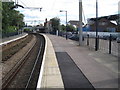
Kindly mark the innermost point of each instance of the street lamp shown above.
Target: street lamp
(66, 21)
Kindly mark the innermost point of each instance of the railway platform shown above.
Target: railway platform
(68, 65)
(12, 38)
(50, 76)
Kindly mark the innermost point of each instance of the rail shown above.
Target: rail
(34, 67)
(13, 72)
(10, 75)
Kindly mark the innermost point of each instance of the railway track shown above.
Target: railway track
(27, 69)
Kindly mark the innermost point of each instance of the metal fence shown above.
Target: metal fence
(108, 46)
(9, 34)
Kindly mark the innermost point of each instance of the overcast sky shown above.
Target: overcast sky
(51, 8)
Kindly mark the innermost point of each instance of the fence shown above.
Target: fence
(9, 34)
(109, 46)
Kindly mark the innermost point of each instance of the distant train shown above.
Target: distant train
(40, 30)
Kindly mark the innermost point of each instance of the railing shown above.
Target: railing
(9, 34)
(109, 46)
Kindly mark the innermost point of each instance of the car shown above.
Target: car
(69, 34)
(118, 39)
(107, 37)
(114, 36)
(74, 37)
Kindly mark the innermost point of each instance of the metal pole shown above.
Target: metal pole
(87, 39)
(110, 39)
(96, 40)
(80, 22)
(66, 25)
(17, 1)
(119, 15)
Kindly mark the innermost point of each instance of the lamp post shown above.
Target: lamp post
(96, 40)
(80, 22)
(66, 21)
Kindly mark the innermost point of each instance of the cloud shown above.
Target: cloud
(51, 8)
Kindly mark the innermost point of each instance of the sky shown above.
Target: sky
(51, 9)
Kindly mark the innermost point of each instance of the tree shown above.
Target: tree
(0, 16)
(70, 28)
(11, 19)
(55, 23)
(63, 27)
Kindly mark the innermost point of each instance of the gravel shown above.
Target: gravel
(9, 63)
(9, 50)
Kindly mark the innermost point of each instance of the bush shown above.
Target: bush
(11, 29)
(27, 30)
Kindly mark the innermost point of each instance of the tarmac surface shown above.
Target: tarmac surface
(81, 67)
(72, 75)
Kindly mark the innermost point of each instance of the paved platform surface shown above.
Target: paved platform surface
(11, 37)
(50, 76)
(100, 69)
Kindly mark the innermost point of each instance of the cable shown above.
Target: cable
(29, 2)
(84, 15)
(23, 3)
(53, 4)
(17, 2)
